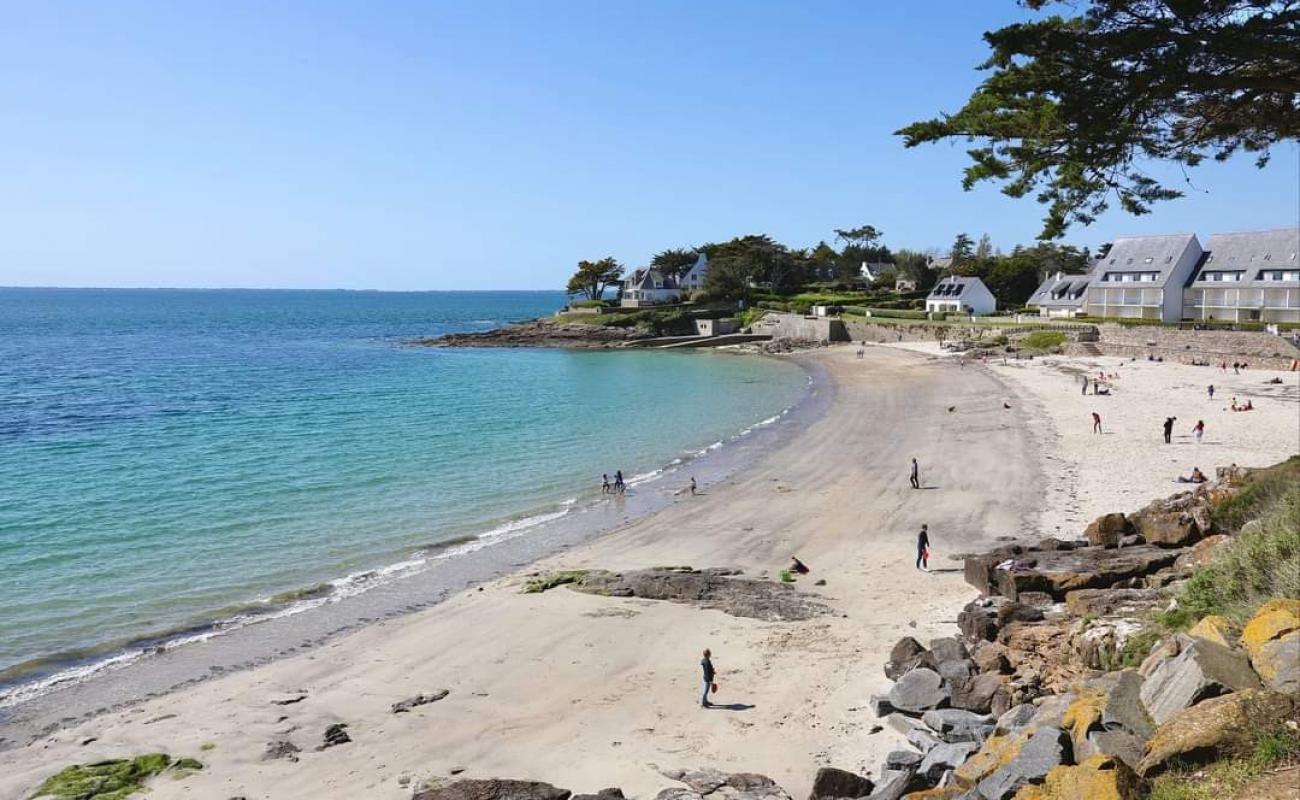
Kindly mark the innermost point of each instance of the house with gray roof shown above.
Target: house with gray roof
(957, 294)
(649, 287)
(1060, 295)
(1142, 277)
(1252, 276)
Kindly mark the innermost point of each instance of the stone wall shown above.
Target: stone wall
(795, 326)
(1185, 346)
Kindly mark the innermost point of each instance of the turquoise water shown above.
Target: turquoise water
(168, 458)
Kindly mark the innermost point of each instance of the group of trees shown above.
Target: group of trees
(1012, 277)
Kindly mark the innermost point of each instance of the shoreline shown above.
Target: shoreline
(163, 662)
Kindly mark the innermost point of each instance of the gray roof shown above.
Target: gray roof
(1146, 254)
(954, 286)
(1060, 291)
(1251, 253)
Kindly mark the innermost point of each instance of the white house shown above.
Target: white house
(871, 272)
(962, 295)
(1247, 277)
(1060, 295)
(1142, 277)
(693, 279)
(649, 287)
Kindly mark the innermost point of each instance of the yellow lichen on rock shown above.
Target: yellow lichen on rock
(1082, 715)
(1215, 628)
(996, 752)
(1100, 777)
(1274, 619)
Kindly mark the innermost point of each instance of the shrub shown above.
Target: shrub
(591, 303)
(1043, 340)
(897, 313)
(550, 580)
(786, 577)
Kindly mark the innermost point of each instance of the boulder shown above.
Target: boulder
(1113, 602)
(1165, 650)
(990, 657)
(906, 655)
(1215, 728)
(702, 781)
(945, 757)
(1100, 646)
(1215, 628)
(611, 793)
(918, 690)
(1107, 530)
(1203, 669)
(956, 671)
(1015, 718)
(1046, 748)
(903, 759)
(1082, 716)
(977, 694)
(1097, 778)
(1118, 744)
(1051, 709)
(1272, 639)
(1174, 521)
(493, 789)
(1123, 709)
(954, 724)
(949, 648)
(1201, 553)
(880, 706)
(894, 785)
(1060, 572)
(922, 740)
(832, 783)
(978, 621)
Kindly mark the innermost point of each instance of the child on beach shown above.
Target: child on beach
(604, 483)
(923, 549)
(1198, 430)
(1096, 422)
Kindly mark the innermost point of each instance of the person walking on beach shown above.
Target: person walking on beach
(923, 549)
(1096, 422)
(916, 475)
(692, 486)
(1210, 389)
(1199, 430)
(1169, 428)
(604, 483)
(619, 486)
(706, 664)
(1085, 384)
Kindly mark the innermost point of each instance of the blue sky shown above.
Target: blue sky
(431, 145)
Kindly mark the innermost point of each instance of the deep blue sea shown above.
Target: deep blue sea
(172, 457)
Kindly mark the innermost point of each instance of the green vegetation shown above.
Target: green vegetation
(1227, 777)
(1074, 107)
(652, 322)
(591, 304)
(786, 576)
(593, 278)
(206, 746)
(1261, 563)
(749, 316)
(550, 580)
(1135, 650)
(1043, 340)
(111, 780)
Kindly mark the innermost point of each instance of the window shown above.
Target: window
(1148, 260)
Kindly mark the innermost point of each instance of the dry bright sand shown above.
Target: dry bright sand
(587, 692)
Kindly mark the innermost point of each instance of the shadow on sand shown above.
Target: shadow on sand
(729, 707)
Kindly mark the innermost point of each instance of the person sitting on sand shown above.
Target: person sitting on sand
(1234, 405)
(798, 567)
(1250, 405)
(1196, 477)
(706, 664)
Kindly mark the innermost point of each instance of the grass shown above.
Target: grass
(786, 576)
(116, 779)
(1136, 648)
(1043, 340)
(1227, 777)
(550, 580)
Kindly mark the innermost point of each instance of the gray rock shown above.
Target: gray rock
(902, 759)
(281, 749)
(921, 740)
(677, 793)
(1203, 669)
(956, 670)
(1051, 709)
(880, 706)
(612, 793)
(704, 780)
(1120, 744)
(1124, 709)
(335, 734)
(945, 757)
(903, 723)
(949, 720)
(918, 690)
(1015, 718)
(894, 785)
(1279, 659)
(421, 699)
(978, 693)
(948, 648)
(1049, 747)
(832, 783)
(493, 789)
(906, 655)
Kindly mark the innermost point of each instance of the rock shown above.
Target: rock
(1046, 748)
(948, 648)
(922, 740)
(832, 783)
(1171, 522)
(1039, 600)
(1272, 639)
(903, 723)
(1215, 728)
(612, 793)
(1061, 572)
(1100, 646)
(289, 698)
(702, 781)
(880, 706)
(894, 785)
(991, 657)
(1015, 718)
(1107, 530)
(945, 757)
(492, 789)
(424, 698)
(956, 671)
(977, 693)
(918, 690)
(1118, 744)
(1201, 553)
(906, 655)
(281, 749)
(1123, 709)
(739, 597)
(949, 720)
(1165, 650)
(335, 734)
(1081, 716)
(902, 759)
(978, 622)
(1051, 709)
(1097, 778)
(1113, 602)
(1203, 669)
(1216, 628)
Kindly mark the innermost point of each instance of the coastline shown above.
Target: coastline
(119, 675)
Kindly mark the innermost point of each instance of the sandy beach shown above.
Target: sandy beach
(586, 692)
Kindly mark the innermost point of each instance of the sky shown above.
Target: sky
(492, 145)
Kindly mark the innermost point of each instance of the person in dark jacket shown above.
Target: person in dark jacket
(1169, 428)
(706, 664)
(923, 549)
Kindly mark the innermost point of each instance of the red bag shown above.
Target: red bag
(714, 687)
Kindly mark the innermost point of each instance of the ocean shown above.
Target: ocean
(177, 463)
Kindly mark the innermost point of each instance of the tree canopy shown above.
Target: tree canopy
(1073, 106)
(674, 261)
(593, 278)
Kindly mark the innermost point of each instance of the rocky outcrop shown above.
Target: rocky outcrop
(1215, 628)
(717, 785)
(1203, 669)
(1046, 749)
(542, 333)
(1107, 530)
(493, 789)
(1272, 640)
(1216, 727)
(832, 783)
(421, 699)
(1096, 778)
(717, 589)
(918, 690)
